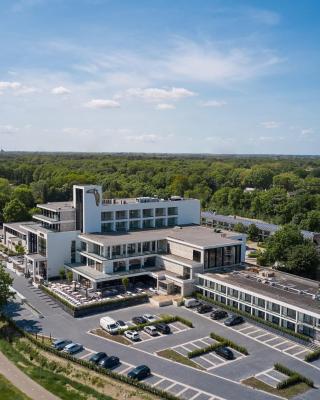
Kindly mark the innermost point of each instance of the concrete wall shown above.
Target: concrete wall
(59, 250)
(181, 250)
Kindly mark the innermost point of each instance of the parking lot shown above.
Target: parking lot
(268, 338)
(208, 361)
(183, 391)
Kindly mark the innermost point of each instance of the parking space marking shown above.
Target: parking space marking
(300, 352)
(260, 336)
(254, 331)
(126, 370)
(161, 380)
(281, 343)
(269, 340)
(291, 347)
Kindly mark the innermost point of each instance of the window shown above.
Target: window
(121, 226)
(107, 216)
(160, 222)
(134, 225)
(288, 312)
(259, 302)
(233, 292)
(42, 246)
(134, 214)
(83, 246)
(245, 297)
(196, 256)
(147, 223)
(116, 251)
(119, 266)
(273, 307)
(160, 212)
(73, 251)
(147, 213)
(221, 288)
(150, 262)
(121, 214)
(106, 227)
(172, 210)
(172, 221)
(131, 248)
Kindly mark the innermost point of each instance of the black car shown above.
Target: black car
(219, 314)
(163, 328)
(109, 362)
(139, 320)
(60, 344)
(96, 358)
(224, 352)
(204, 308)
(234, 320)
(140, 372)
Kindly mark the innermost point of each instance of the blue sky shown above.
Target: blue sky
(160, 76)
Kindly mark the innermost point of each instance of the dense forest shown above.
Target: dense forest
(287, 189)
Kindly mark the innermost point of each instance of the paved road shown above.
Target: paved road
(23, 382)
(223, 381)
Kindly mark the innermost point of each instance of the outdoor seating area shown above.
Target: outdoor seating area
(77, 294)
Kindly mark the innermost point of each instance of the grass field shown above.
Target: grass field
(174, 356)
(287, 393)
(10, 392)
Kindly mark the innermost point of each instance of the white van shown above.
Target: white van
(190, 303)
(109, 325)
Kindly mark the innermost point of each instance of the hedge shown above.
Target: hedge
(314, 355)
(204, 350)
(253, 317)
(113, 302)
(114, 375)
(229, 343)
(166, 319)
(294, 377)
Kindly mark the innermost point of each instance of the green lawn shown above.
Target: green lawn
(287, 393)
(174, 356)
(10, 392)
(56, 383)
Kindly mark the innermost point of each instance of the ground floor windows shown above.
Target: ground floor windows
(119, 266)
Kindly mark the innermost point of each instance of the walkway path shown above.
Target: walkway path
(23, 382)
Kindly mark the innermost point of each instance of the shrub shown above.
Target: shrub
(296, 377)
(204, 350)
(253, 317)
(229, 343)
(315, 355)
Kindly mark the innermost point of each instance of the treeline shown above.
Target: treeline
(287, 189)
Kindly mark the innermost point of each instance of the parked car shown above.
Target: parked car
(191, 303)
(109, 325)
(60, 344)
(96, 358)
(204, 308)
(163, 328)
(224, 352)
(109, 362)
(121, 324)
(73, 348)
(139, 320)
(234, 320)
(140, 372)
(132, 335)
(219, 314)
(149, 317)
(151, 330)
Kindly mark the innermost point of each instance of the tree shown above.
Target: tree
(303, 259)
(69, 276)
(312, 222)
(15, 211)
(239, 227)
(5, 282)
(259, 177)
(253, 232)
(62, 273)
(24, 194)
(19, 249)
(125, 282)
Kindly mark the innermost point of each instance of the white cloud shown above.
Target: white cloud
(102, 103)
(266, 17)
(144, 138)
(270, 124)
(8, 129)
(10, 85)
(60, 90)
(158, 94)
(307, 132)
(165, 106)
(206, 62)
(214, 103)
(270, 139)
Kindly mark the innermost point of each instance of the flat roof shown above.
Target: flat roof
(195, 235)
(283, 287)
(19, 226)
(57, 206)
(262, 225)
